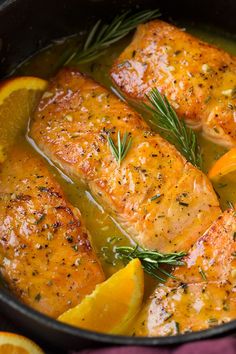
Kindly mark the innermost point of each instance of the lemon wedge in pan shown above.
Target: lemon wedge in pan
(113, 304)
(225, 165)
(18, 99)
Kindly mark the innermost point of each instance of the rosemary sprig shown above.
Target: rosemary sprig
(151, 260)
(122, 148)
(101, 36)
(175, 129)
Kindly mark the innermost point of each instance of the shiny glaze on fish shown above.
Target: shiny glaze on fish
(45, 253)
(204, 291)
(71, 126)
(199, 79)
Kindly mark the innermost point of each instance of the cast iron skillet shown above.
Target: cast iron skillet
(25, 27)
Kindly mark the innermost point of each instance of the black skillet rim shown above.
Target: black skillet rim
(46, 322)
(50, 323)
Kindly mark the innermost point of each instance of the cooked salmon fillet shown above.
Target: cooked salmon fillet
(46, 256)
(156, 196)
(204, 291)
(198, 79)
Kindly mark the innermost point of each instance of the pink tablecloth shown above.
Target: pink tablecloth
(217, 346)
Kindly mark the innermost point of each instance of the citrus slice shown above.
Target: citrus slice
(11, 343)
(223, 166)
(18, 98)
(113, 304)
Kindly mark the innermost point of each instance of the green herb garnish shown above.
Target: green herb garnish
(207, 99)
(230, 204)
(40, 219)
(114, 239)
(75, 247)
(38, 297)
(225, 306)
(203, 274)
(122, 148)
(151, 260)
(174, 129)
(183, 204)
(101, 36)
(222, 185)
(155, 197)
(177, 327)
(212, 320)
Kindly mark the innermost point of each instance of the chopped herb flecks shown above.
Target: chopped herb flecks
(183, 204)
(38, 297)
(203, 275)
(155, 197)
(234, 236)
(177, 327)
(212, 320)
(230, 204)
(41, 218)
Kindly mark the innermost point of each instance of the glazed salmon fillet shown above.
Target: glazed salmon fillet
(203, 294)
(45, 254)
(156, 196)
(198, 79)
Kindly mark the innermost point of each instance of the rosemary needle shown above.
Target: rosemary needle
(122, 148)
(151, 260)
(174, 129)
(101, 36)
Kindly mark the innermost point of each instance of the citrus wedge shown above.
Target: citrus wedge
(18, 98)
(11, 343)
(113, 304)
(223, 166)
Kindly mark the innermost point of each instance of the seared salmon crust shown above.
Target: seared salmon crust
(45, 253)
(156, 196)
(198, 79)
(203, 293)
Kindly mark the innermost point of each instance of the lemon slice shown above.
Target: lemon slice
(223, 166)
(18, 98)
(11, 343)
(113, 304)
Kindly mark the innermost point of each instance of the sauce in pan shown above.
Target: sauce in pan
(106, 234)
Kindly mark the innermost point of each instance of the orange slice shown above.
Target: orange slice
(113, 304)
(18, 98)
(223, 166)
(11, 343)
